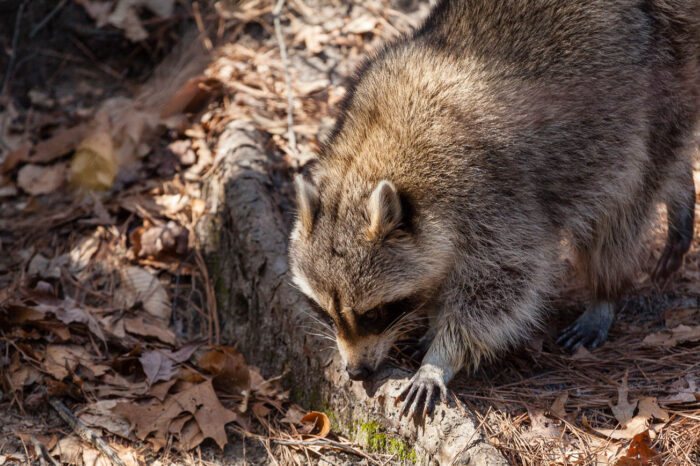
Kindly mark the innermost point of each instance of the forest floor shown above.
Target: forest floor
(109, 113)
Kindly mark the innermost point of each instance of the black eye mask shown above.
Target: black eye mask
(377, 320)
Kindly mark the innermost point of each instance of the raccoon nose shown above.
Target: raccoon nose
(358, 373)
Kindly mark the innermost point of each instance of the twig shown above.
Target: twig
(200, 25)
(328, 444)
(211, 296)
(48, 18)
(287, 79)
(84, 432)
(13, 53)
(42, 453)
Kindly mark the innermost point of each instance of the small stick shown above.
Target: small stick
(48, 17)
(200, 25)
(84, 432)
(42, 453)
(287, 78)
(328, 444)
(38, 451)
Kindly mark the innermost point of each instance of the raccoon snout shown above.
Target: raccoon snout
(360, 372)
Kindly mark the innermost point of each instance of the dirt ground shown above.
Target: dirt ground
(109, 113)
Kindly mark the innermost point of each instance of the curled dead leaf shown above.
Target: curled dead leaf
(315, 423)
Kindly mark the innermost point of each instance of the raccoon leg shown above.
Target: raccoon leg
(681, 223)
(444, 358)
(590, 329)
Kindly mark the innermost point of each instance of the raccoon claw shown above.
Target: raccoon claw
(423, 392)
(590, 329)
(577, 334)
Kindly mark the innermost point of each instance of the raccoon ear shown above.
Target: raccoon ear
(384, 210)
(307, 202)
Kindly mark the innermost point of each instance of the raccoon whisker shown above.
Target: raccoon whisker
(320, 335)
(313, 328)
(409, 317)
(317, 320)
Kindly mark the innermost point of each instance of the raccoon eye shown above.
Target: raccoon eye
(372, 315)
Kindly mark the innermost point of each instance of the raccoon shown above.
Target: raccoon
(468, 153)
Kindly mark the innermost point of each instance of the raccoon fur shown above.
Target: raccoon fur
(468, 152)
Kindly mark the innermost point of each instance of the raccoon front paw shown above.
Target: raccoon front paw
(423, 392)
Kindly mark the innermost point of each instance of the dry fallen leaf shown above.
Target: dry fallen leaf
(541, 426)
(294, 414)
(674, 317)
(83, 251)
(623, 410)
(559, 406)
(157, 366)
(316, 424)
(228, 366)
(94, 165)
(63, 142)
(633, 427)
(61, 360)
(68, 312)
(640, 452)
(99, 415)
(153, 421)
(361, 25)
(649, 407)
(674, 336)
(170, 238)
(582, 353)
(686, 391)
(39, 179)
(147, 328)
(190, 97)
(138, 285)
(125, 16)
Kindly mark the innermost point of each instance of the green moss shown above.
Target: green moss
(378, 441)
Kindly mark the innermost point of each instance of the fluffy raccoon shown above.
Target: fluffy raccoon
(468, 152)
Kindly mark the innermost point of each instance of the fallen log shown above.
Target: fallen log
(244, 236)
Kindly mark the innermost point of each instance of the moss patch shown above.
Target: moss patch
(376, 440)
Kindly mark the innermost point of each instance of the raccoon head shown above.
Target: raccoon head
(368, 259)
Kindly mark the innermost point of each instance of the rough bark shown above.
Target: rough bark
(245, 237)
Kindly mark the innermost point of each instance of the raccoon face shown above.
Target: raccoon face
(363, 256)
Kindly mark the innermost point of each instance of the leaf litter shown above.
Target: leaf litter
(102, 301)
